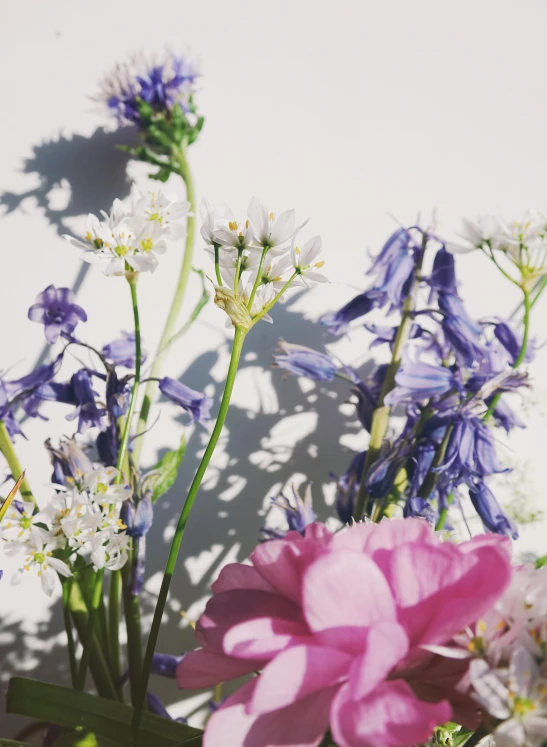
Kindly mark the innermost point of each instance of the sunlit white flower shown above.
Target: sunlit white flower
(273, 271)
(40, 560)
(212, 218)
(303, 261)
(18, 525)
(517, 696)
(110, 550)
(156, 207)
(101, 484)
(475, 233)
(235, 235)
(271, 231)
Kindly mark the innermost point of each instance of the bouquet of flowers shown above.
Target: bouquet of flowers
(380, 627)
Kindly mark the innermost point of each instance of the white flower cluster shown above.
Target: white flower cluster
(523, 241)
(82, 519)
(134, 233)
(257, 258)
(508, 673)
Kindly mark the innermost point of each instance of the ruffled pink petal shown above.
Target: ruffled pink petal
(453, 589)
(239, 576)
(295, 673)
(230, 608)
(343, 594)
(389, 533)
(283, 562)
(263, 637)
(386, 644)
(391, 716)
(205, 668)
(302, 724)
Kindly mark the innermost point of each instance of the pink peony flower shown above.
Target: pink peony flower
(337, 625)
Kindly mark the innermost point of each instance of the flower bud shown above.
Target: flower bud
(226, 300)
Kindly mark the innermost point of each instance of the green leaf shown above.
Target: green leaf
(163, 476)
(71, 709)
(87, 739)
(540, 562)
(12, 743)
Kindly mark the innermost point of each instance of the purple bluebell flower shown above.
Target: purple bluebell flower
(471, 452)
(68, 461)
(380, 477)
(165, 665)
(57, 310)
(348, 487)
(462, 334)
(122, 351)
(419, 508)
(338, 322)
(107, 444)
(118, 394)
(511, 340)
(385, 334)
(138, 516)
(504, 415)
(490, 512)
(417, 382)
(88, 413)
(302, 361)
(299, 514)
(368, 394)
(443, 274)
(197, 404)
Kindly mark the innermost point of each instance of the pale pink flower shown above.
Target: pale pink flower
(337, 624)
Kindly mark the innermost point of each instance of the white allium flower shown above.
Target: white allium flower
(101, 484)
(233, 235)
(476, 233)
(18, 526)
(40, 560)
(110, 550)
(303, 261)
(212, 218)
(133, 234)
(271, 231)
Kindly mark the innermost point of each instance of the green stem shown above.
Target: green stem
(270, 306)
(132, 610)
(114, 596)
(258, 277)
(238, 271)
(8, 450)
(89, 639)
(522, 353)
(380, 417)
(66, 586)
(237, 347)
(217, 264)
(174, 311)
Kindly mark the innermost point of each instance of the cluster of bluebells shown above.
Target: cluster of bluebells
(134, 233)
(256, 259)
(162, 81)
(447, 387)
(507, 654)
(90, 516)
(82, 519)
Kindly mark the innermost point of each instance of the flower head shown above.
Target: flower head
(303, 261)
(40, 560)
(122, 351)
(57, 310)
(337, 625)
(302, 361)
(197, 404)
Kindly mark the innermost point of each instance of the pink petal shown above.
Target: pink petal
(295, 673)
(391, 716)
(230, 608)
(302, 724)
(389, 533)
(240, 576)
(205, 668)
(386, 644)
(263, 637)
(451, 590)
(343, 594)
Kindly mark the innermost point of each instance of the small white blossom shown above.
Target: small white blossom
(164, 210)
(18, 526)
(235, 235)
(303, 261)
(212, 218)
(101, 483)
(40, 560)
(271, 231)
(110, 550)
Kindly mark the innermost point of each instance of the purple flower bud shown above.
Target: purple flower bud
(122, 351)
(417, 381)
(490, 511)
(138, 517)
(57, 310)
(198, 405)
(302, 361)
(156, 706)
(87, 412)
(108, 446)
(461, 332)
(348, 487)
(443, 274)
(338, 322)
(298, 514)
(69, 461)
(165, 665)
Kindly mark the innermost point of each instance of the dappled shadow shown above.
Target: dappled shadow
(250, 460)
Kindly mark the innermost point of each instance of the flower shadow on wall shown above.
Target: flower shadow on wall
(57, 165)
(228, 513)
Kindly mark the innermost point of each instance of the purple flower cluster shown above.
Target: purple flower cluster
(447, 387)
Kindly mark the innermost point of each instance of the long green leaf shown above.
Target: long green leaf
(12, 743)
(163, 476)
(87, 739)
(71, 709)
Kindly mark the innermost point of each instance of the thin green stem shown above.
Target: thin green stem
(8, 450)
(522, 353)
(71, 648)
(270, 306)
(114, 597)
(131, 603)
(258, 277)
(238, 270)
(174, 311)
(380, 417)
(217, 264)
(237, 347)
(90, 630)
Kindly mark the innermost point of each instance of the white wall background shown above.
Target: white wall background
(352, 112)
